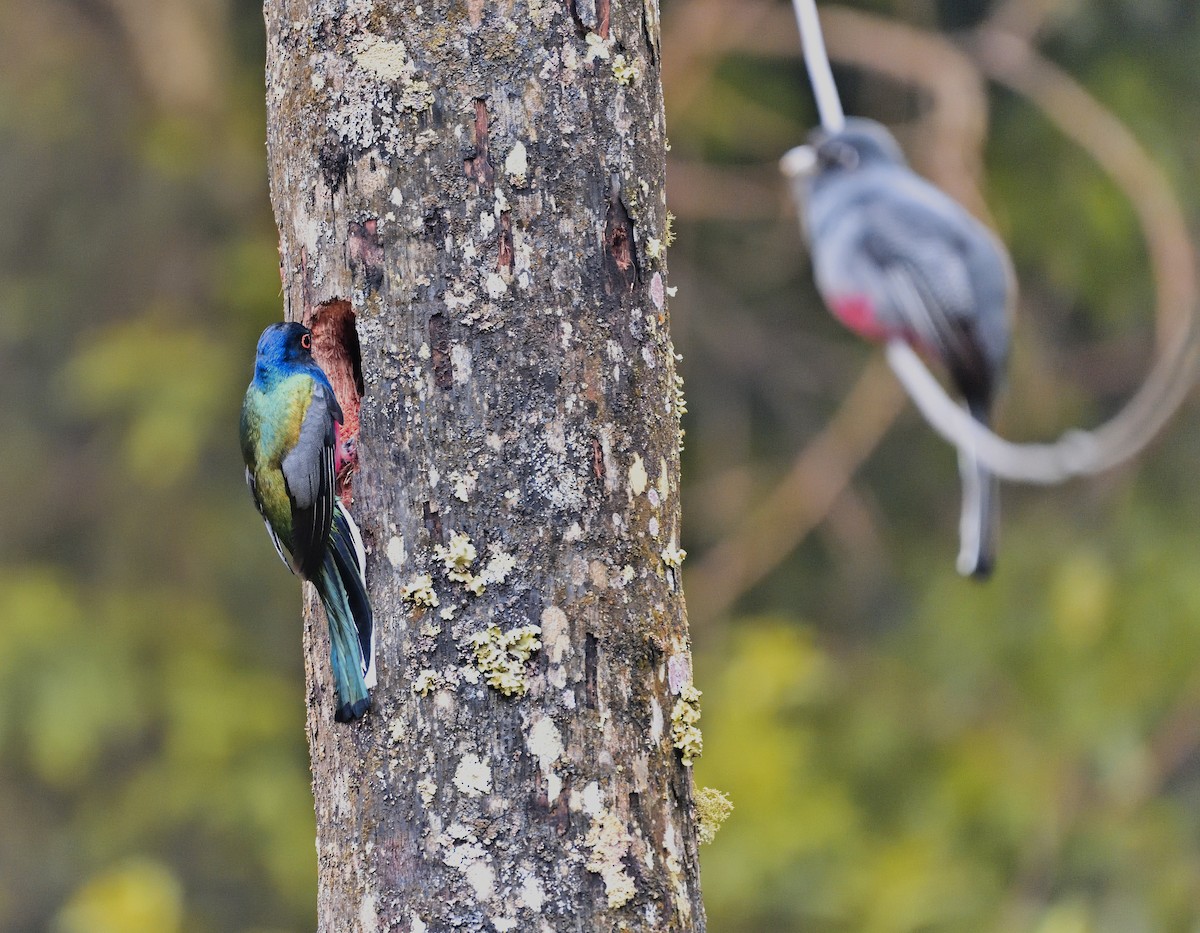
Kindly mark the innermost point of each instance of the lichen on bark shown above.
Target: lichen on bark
(482, 183)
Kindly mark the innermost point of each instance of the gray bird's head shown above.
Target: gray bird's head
(861, 144)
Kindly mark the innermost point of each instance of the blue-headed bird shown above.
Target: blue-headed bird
(288, 434)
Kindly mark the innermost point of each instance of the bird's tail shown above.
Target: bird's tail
(980, 520)
(342, 587)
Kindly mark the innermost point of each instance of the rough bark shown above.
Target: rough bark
(471, 210)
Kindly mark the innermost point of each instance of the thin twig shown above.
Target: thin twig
(817, 61)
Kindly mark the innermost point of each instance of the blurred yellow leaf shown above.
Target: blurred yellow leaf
(140, 896)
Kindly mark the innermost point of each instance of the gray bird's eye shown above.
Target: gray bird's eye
(838, 155)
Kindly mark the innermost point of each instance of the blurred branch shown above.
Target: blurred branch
(700, 31)
(1014, 63)
(701, 191)
(800, 501)
(1026, 18)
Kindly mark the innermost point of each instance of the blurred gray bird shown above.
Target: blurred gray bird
(894, 257)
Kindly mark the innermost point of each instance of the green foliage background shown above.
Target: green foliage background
(906, 751)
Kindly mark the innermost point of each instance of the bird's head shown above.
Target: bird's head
(284, 344)
(829, 157)
(860, 145)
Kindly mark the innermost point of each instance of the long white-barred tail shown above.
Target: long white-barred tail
(978, 523)
(347, 525)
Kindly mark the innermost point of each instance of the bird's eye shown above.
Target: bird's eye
(838, 155)
(306, 341)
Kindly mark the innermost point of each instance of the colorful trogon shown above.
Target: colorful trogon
(288, 433)
(894, 257)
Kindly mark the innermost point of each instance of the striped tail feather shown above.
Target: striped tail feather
(980, 519)
(351, 625)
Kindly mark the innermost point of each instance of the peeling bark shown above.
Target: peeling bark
(471, 187)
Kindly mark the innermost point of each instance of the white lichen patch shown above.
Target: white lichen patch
(624, 70)
(396, 553)
(556, 634)
(712, 809)
(501, 656)
(463, 483)
(685, 729)
(473, 776)
(419, 591)
(544, 742)
(470, 858)
(597, 48)
(533, 895)
(458, 557)
(460, 364)
(368, 912)
(590, 800)
(656, 722)
(516, 165)
(638, 478)
(427, 789)
(655, 248)
(609, 843)
(496, 286)
(459, 297)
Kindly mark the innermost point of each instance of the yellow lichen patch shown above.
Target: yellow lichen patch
(427, 681)
(458, 557)
(501, 656)
(685, 731)
(498, 567)
(419, 591)
(609, 843)
(624, 70)
(673, 556)
(712, 809)
(391, 62)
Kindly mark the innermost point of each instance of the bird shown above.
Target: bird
(894, 257)
(288, 436)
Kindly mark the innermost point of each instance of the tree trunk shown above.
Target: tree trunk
(472, 218)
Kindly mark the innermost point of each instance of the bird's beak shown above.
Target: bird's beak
(800, 162)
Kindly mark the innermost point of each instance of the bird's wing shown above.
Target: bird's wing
(271, 531)
(927, 284)
(308, 472)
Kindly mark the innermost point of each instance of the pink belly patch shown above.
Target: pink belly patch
(855, 312)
